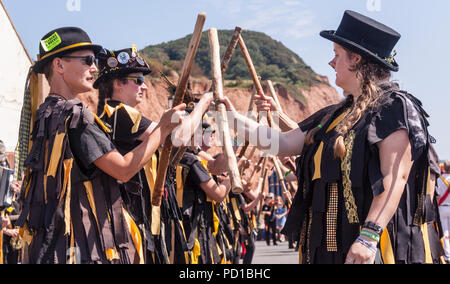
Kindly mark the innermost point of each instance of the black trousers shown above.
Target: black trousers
(250, 249)
(271, 228)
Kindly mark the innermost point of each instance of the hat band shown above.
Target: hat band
(65, 48)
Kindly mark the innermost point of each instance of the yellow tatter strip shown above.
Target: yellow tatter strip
(100, 122)
(56, 154)
(135, 235)
(67, 180)
(387, 253)
(90, 196)
(135, 116)
(318, 162)
(150, 174)
(426, 243)
(216, 221)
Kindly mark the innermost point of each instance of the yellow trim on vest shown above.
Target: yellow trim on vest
(426, 243)
(135, 116)
(135, 235)
(318, 162)
(64, 49)
(387, 252)
(56, 154)
(102, 125)
(133, 113)
(318, 155)
(150, 170)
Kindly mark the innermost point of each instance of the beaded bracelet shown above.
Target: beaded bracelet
(371, 235)
(367, 244)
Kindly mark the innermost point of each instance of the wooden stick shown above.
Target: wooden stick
(179, 96)
(276, 163)
(230, 50)
(274, 94)
(263, 178)
(250, 108)
(235, 179)
(225, 61)
(286, 124)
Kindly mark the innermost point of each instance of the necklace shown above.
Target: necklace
(56, 95)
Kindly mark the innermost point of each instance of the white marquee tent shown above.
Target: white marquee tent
(14, 68)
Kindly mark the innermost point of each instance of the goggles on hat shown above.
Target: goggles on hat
(139, 80)
(88, 60)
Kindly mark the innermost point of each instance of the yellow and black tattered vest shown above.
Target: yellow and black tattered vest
(335, 195)
(69, 215)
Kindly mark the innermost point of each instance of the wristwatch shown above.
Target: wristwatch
(374, 227)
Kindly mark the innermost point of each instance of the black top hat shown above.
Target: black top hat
(114, 64)
(367, 38)
(62, 41)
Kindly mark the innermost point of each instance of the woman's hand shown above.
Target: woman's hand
(360, 254)
(265, 103)
(228, 104)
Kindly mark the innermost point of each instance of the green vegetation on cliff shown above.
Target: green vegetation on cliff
(272, 60)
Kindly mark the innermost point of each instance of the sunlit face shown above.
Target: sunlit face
(342, 63)
(78, 76)
(130, 93)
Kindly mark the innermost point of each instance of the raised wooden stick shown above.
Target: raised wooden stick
(276, 163)
(230, 50)
(235, 179)
(263, 183)
(179, 96)
(285, 123)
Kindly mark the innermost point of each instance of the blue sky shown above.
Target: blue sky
(422, 52)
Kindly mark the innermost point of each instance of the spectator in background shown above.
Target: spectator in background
(280, 211)
(268, 211)
(443, 187)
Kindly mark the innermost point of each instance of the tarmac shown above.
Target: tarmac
(280, 254)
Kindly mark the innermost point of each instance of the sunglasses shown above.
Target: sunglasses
(139, 80)
(88, 60)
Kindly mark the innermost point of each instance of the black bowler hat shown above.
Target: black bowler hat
(60, 42)
(114, 64)
(367, 38)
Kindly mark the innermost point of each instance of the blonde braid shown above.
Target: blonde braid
(369, 74)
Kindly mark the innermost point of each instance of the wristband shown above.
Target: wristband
(374, 227)
(288, 172)
(371, 235)
(367, 244)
